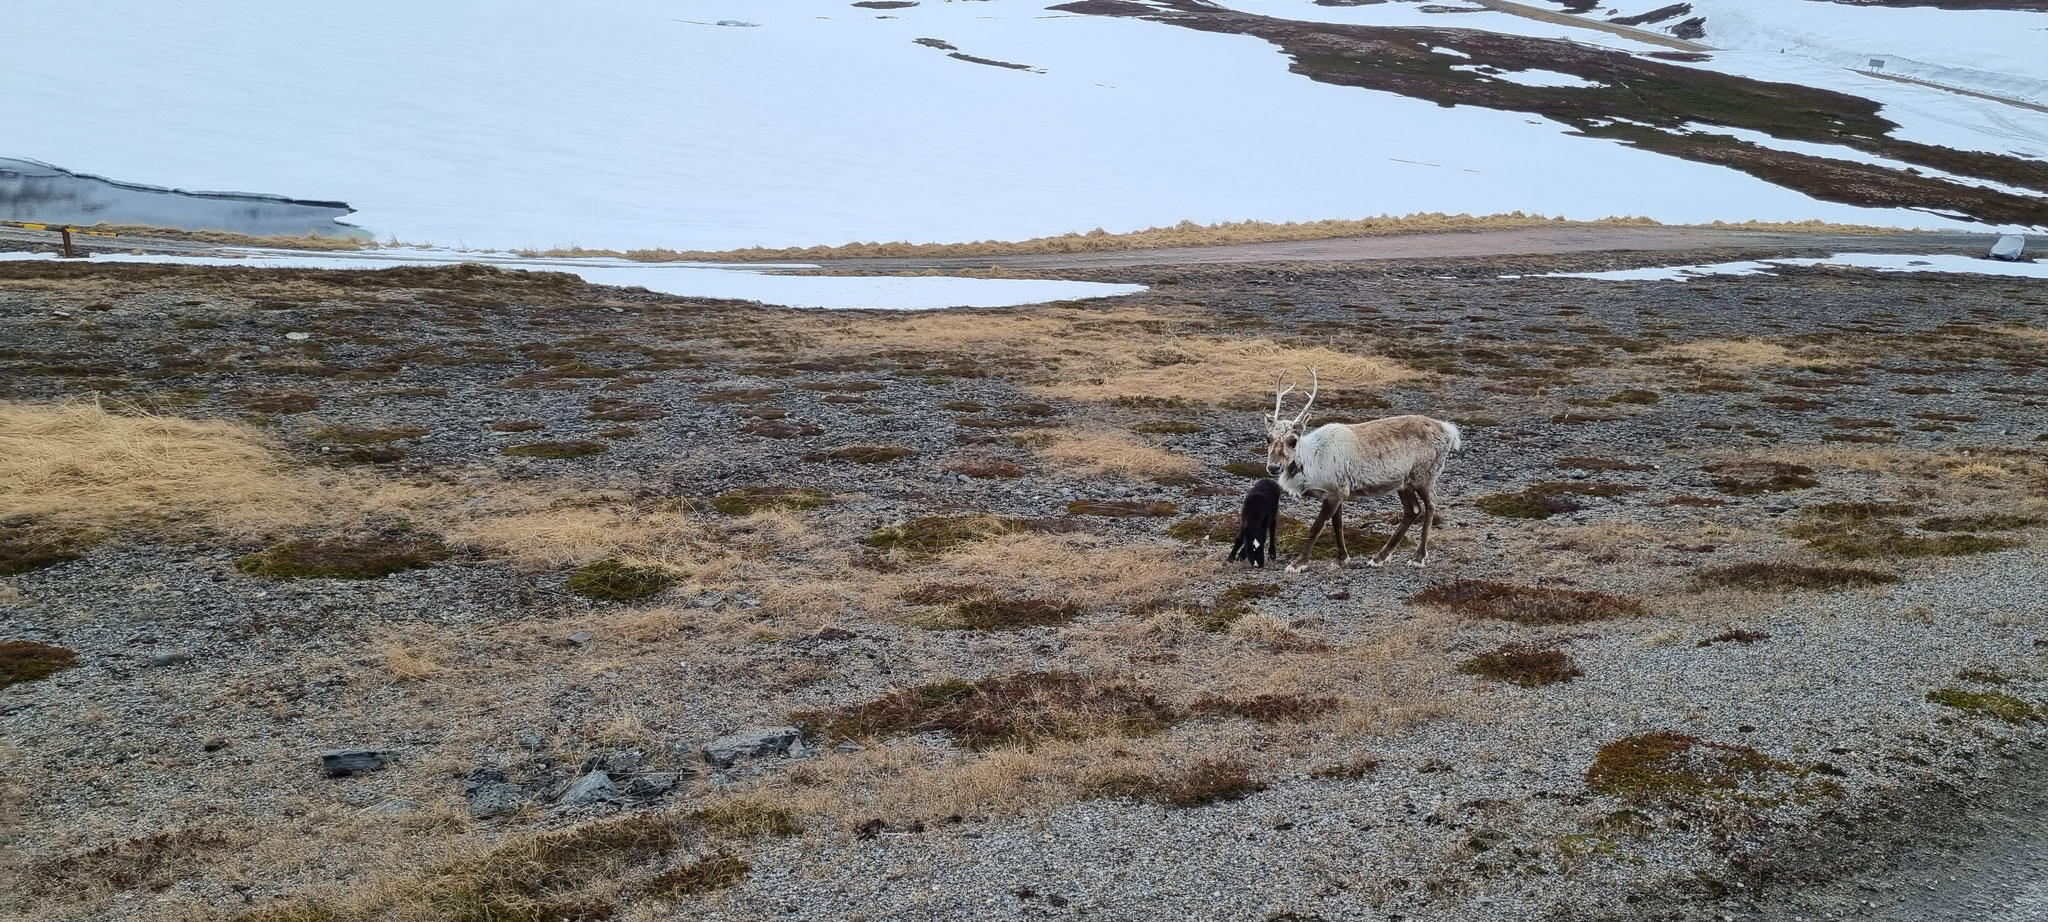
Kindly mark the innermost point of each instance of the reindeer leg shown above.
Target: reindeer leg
(1408, 504)
(1337, 526)
(1309, 547)
(1428, 512)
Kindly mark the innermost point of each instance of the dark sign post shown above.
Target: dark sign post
(66, 230)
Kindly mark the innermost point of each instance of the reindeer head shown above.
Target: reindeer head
(1283, 434)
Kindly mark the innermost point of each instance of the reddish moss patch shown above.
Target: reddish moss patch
(987, 470)
(1529, 604)
(557, 451)
(1739, 635)
(1749, 478)
(366, 435)
(977, 608)
(1266, 708)
(1205, 782)
(1701, 502)
(709, 874)
(24, 549)
(29, 661)
(615, 410)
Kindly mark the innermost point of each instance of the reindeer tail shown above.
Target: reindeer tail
(1451, 431)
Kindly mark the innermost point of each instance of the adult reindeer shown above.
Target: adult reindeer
(1399, 454)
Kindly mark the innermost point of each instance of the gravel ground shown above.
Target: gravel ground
(204, 695)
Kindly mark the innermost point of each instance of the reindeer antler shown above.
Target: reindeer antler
(1315, 385)
(1279, 395)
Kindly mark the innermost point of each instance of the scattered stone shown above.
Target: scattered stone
(339, 763)
(623, 762)
(580, 638)
(653, 784)
(393, 807)
(836, 633)
(593, 788)
(708, 600)
(170, 658)
(767, 742)
(2008, 248)
(495, 798)
(530, 741)
(298, 337)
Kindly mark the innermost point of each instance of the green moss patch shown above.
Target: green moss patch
(29, 661)
(1665, 763)
(1771, 576)
(1986, 704)
(1013, 709)
(1865, 541)
(749, 500)
(366, 435)
(1122, 508)
(1253, 469)
(932, 535)
(1529, 604)
(1527, 665)
(356, 557)
(1857, 511)
(557, 451)
(282, 403)
(619, 581)
(516, 425)
(1988, 521)
(1749, 478)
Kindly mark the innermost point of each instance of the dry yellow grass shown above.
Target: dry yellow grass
(308, 241)
(78, 466)
(1213, 370)
(1100, 452)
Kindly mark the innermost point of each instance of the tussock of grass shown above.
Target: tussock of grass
(987, 469)
(1527, 665)
(1771, 576)
(1665, 763)
(559, 875)
(1269, 707)
(153, 861)
(619, 581)
(1733, 355)
(1526, 504)
(1857, 512)
(516, 425)
(1738, 635)
(1529, 604)
(979, 608)
(932, 535)
(29, 661)
(359, 557)
(1018, 708)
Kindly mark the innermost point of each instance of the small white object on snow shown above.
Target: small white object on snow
(2009, 248)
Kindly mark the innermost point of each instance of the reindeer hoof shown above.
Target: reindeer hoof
(1295, 568)
(1418, 563)
(1375, 562)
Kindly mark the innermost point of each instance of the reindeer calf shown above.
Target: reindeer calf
(1258, 525)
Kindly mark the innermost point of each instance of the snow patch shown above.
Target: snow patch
(1879, 262)
(699, 280)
